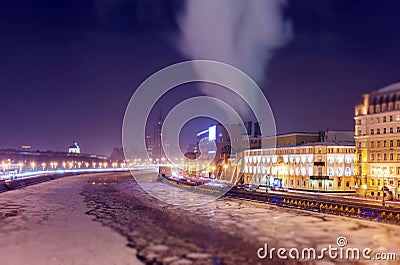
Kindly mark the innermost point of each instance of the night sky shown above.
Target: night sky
(68, 68)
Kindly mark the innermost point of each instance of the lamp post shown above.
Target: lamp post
(364, 187)
(225, 167)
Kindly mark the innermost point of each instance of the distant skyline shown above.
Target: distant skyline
(69, 68)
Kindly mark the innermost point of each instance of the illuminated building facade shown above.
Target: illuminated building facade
(313, 166)
(74, 148)
(217, 146)
(149, 146)
(377, 135)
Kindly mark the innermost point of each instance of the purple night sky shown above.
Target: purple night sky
(68, 68)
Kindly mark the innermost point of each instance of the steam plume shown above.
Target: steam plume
(241, 33)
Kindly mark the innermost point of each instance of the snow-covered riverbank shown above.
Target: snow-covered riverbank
(47, 224)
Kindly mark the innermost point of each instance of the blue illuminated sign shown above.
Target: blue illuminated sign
(212, 133)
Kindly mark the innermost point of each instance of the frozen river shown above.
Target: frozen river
(47, 224)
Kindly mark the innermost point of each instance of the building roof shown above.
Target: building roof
(391, 88)
(350, 144)
(74, 145)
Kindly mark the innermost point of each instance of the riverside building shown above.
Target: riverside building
(377, 135)
(309, 163)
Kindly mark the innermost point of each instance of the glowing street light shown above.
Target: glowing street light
(225, 167)
(20, 165)
(33, 165)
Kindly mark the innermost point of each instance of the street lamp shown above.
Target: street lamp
(213, 170)
(20, 165)
(364, 187)
(225, 167)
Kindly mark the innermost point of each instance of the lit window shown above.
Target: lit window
(330, 171)
(339, 171)
(347, 171)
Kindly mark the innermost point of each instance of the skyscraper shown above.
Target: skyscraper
(158, 152)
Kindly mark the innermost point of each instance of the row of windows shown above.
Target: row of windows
(339, 171)
(379, 144)
(384, 157)
(297, 171)
(386, 182)
(339, 150)
(330, 184)
(302, 151)
(281, 151)
(384, 131)
(378, 119)
(384, 107)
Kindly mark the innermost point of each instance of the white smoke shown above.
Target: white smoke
(241, 33)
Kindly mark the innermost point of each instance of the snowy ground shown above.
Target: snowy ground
(46, 224)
